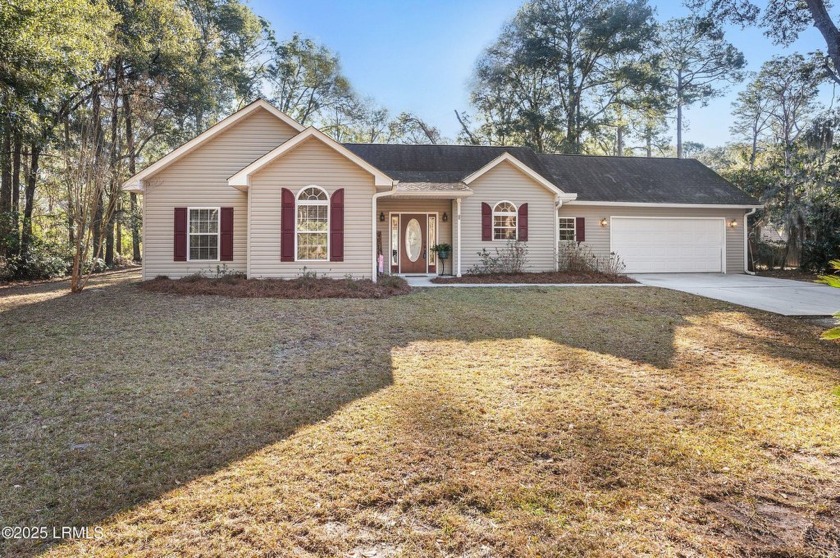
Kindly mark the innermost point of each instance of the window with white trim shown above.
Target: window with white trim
(203, 233)
(567, 229)
(312, 225)
(504, 221)
(395, 239)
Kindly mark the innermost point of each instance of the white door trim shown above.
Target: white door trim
(399, 214)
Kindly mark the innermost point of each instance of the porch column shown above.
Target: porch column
(458, 226)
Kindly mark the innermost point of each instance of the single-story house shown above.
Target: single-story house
(261, 194)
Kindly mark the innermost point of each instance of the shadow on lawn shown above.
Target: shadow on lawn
(112, 404)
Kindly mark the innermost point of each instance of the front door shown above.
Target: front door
(413, 237)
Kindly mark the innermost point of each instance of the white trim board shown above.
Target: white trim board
(681, 205)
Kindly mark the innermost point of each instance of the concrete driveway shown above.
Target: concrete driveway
(781, 296)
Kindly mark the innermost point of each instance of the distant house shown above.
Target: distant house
(263, 195)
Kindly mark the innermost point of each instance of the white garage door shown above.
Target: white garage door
(668, 245)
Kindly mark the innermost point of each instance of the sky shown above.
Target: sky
(418, 55)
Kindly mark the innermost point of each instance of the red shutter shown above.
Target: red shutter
(486, 222)
(337, 226)
(180, 234)
(287, 226)
(580, 229)
(226, 230)
(522, 222)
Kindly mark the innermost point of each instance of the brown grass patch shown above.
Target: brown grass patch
(299, 288)
(447, 422)
(546, 277)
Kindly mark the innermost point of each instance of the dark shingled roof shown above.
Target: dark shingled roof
(592, 178)
(642, 179)
(438, 163)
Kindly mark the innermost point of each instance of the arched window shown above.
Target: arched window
(312, 225)
(504, 221)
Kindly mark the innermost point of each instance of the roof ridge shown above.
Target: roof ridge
(518, 147)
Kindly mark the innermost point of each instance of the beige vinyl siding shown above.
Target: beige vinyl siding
(311, 163)
(506, 182)
(199, 179)
(397, 205)
(598, 237)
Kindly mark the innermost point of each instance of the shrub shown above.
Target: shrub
(817, 254)
(42, 261)
(510, 259)
(612, 265)
(576, 256)
(770, 255)
(96, 265)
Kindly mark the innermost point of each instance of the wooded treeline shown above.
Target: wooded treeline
(93, 90)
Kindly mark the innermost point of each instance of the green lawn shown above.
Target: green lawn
(447, 422)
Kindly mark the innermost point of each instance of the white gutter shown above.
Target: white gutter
(373, 201)
(747, 242)
(679, 205)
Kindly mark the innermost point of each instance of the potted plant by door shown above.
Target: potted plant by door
(442, 251)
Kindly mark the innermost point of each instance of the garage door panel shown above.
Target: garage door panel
(664, 245)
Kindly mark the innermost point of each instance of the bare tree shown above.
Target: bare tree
(88, 178)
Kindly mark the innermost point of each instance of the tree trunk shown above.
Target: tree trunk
(114, 190)
(16, 164)
(679, 116)
(826, 27)
(71, 222)
(6, 172)
(129, 138)
(5, 189)
(118, 239)
(96, 118)
(29, 198)
(109, 242)
(619, 140)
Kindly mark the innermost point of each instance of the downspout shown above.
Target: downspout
(373, 201)
(458, 224)
(558, 203)
(747, 241)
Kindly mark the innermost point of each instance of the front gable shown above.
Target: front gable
(508, 163)
(242, 179)
(232, 143)
(310, 162)
(506, 180)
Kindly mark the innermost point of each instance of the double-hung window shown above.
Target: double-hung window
(312, 226)
(504, 221)
(204, 234)
(567, 229)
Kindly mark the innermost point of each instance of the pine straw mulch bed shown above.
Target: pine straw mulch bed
(542, 278)
(300, 288)
(793, 274)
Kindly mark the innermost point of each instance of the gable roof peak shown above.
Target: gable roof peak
(135, 183)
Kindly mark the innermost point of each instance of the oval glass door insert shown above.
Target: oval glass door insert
(413, 240)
